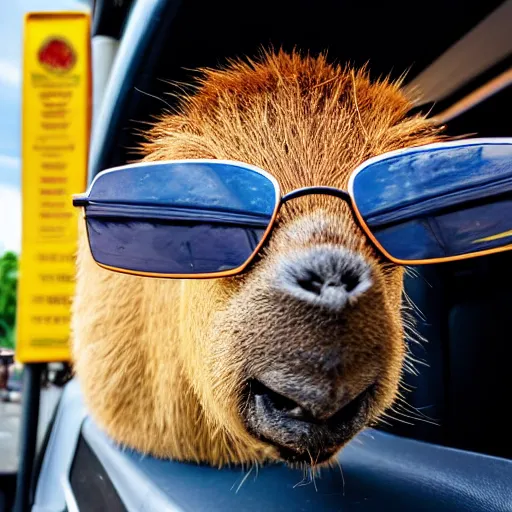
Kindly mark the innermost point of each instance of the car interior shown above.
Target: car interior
(449, 449)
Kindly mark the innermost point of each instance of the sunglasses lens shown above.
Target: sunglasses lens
(180, 218)
(438, 202)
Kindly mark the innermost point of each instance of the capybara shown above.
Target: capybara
(291, 359)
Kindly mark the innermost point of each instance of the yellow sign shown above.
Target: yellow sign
(55, 139)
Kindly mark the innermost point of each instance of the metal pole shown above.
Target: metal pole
(31, 392)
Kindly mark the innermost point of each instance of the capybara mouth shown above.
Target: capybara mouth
(293, 431)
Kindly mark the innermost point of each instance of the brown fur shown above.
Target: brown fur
(162, 362)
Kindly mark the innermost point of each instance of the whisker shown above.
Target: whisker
(246, 476)
(418, 418)
(153, 96)
(402, 403)
(387, 415)
(341, 473)
(303, 481)
(304, 475)
(313, 478)
(412, 272)
(380, 420)
(414, 307)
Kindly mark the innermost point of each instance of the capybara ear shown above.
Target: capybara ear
(290, 360)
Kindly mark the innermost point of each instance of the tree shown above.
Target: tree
(8, 295)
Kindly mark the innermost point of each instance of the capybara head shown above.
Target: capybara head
(294, 357)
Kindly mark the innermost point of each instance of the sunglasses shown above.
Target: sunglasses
(210, 218)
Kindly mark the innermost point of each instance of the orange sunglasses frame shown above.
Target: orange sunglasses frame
(280, 200)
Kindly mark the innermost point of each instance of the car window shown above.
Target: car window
(91, 486)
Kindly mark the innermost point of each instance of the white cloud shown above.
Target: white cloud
(10, 73)
(10, 218)
(9, 162)
(10, 170)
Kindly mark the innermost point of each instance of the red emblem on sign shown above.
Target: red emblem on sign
(57, 55)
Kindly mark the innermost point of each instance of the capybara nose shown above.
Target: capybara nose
(311, 426)
(324, 275)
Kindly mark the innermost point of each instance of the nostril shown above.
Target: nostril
(324, 276)
(279, 402)
(351, 280)
(313, 283)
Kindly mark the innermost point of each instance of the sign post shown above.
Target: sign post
(55, 138)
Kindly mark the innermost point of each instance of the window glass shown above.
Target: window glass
(90, 483)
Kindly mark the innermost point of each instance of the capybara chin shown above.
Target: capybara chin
(293, 358)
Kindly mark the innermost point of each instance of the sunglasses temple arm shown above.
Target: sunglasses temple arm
(80, 200)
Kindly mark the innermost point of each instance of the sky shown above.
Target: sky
(11, 34)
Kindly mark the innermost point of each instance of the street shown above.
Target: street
(9, 429)
(10, 418)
